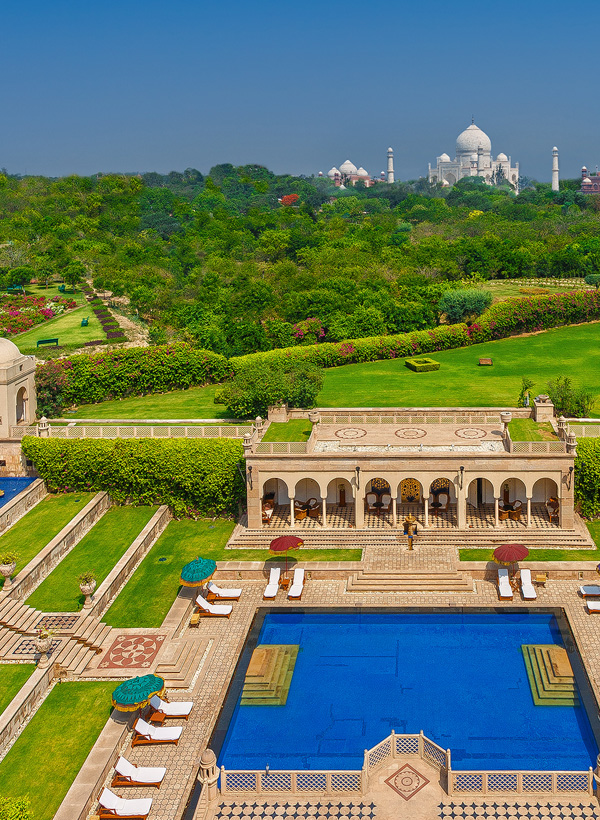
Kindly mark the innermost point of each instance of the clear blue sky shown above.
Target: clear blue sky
(140, 85)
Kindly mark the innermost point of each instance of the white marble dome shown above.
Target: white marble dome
(362, 173)
(471, 139)
(9, 352)
(502, 157)
(331, 174)
(348, 168)
(444, 157)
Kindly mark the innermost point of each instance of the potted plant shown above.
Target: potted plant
(87, 585)
(8, 563)
(43, 645)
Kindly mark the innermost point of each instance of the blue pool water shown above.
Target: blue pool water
(459, 677)
(12, 487)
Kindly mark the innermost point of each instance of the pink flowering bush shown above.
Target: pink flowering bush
(20, 313)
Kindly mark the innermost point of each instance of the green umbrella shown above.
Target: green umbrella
(197, 572)
(135, 693)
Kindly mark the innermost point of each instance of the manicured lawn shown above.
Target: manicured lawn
(12, 677)
(294, 430)
(48, 755)
(98, 552)
(547, 555)
(147, 597)
(502, 289)
(67, 329)
(461, 382)
(52, 290)
(195, 403)
(40, 525)
(530, 430)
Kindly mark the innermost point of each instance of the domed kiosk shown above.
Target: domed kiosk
(17, 388)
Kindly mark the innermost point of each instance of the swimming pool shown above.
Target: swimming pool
(12, 487)
(460, 678)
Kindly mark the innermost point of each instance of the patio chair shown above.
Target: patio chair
(314, 509)
(147, 735)
(267, 512)
(502, 513)
(592, 591)
(177, 709)
(273, 585)
(553, 507)
(527, 587)
(386, 500)
(126, 774)
(295, 591)
(215, 593)
(208, 610)
(505, 592)
(593, 606)
(515, 513)
(444, 500)
(113, 806)
(370, 500)
(299, 512)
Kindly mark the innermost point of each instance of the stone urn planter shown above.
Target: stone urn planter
(314, 416)
(43, 645)
(88, 591)
(7, 570)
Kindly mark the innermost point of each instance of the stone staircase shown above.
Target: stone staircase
(269, 675)
(18, 617)
(180, 662)
(91, 632)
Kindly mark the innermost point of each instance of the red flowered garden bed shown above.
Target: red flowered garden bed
(20, 313)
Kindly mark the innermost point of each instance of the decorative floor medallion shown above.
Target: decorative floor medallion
(130, 651)
(411, 432)
(407, 781)
(470, 432)
(350, 432)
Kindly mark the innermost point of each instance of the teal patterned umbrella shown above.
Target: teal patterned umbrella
(134, 693)
(198, 572)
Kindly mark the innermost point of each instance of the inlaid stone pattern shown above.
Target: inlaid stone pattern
(470, 433)
(27, 647)
(410, 433)
(319, 810)
(350, 432)
(520, 810)
(132, 651)
(407, 781)
(57, 622)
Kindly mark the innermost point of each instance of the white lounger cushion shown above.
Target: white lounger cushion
(527, 587)
(593, 591)
(158, 732)
(504, 587)
(223, 593)
(297, 584)
(214, 609)
(143, 774)
(123, 807)
(181, 707)
(593, 606)
(273, 585)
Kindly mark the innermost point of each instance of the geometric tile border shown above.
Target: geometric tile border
(27, 647)
(407, 781)
(526, 809)
(295, 811)
(57, 622)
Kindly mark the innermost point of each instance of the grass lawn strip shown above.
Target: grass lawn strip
(48, 755)
(530, 430)
(12, 678)
(294, 430)
(67, 328)
(98, 552)
(195, 403)
(39, 526)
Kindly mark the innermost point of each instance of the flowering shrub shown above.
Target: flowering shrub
(20, 313)
(309, 331)
(192, 476)
(289, 199)
(118, 373)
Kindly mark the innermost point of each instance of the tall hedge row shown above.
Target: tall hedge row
(192, 476)
(132, 371)
(587, 476)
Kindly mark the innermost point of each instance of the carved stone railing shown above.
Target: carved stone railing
(136, 431)
(584, 430)
(521, 447)
(281, 447)
(379, 417)
(517, 782)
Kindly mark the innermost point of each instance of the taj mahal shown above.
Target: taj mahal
(474, 159)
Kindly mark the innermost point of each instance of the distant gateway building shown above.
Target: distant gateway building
(474, 159)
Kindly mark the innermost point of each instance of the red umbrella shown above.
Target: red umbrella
(510, 553)
(285, 543)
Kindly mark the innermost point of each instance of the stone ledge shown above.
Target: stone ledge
(24, 703)
(22, 503)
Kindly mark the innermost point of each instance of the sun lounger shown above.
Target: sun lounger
(295, 591)
(176, 709)
(593, 606)
(113, 806)
(214, 610)
(126, 774)
(215, 593)
(505, 592)
(273, 585)
(145, 734)
(527, 587)
(592, 591)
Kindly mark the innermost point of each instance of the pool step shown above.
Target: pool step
(269, 675)
(550, 675)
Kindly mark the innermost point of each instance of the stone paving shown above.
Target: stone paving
(227, 637)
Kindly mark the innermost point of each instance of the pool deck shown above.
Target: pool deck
(224, 639)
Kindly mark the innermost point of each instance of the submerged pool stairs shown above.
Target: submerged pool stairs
(550, 675)
(269, 675)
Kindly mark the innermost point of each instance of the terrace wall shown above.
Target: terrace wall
(24, 703)
(16, 463)
(21, 504)
(52, 554)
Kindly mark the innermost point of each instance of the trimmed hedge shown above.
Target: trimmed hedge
(587, 476)
(115, 374)
(422, 365)
(192, 476)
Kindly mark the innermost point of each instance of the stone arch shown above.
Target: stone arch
(440, 484)
(334, 490)
(307, 488)
(513, 489)
(277, 490)
(378, 485)
(544, 489)
(22, 406)
(480, 491)
(450, 178)
(410, 491)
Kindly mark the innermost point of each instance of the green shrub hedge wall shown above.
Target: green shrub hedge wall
(587, 476)
(118, 373)
(192, 476)
(422, 365)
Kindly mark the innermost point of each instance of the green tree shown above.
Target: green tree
(73, 274)
(12, 808)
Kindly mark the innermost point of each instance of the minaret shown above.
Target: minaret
(555, 168)
(390, 170)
